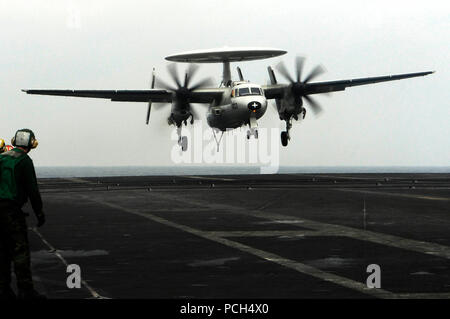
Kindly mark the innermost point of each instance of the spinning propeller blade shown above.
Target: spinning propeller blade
(181, 92)
(297, 87)
(152, 86)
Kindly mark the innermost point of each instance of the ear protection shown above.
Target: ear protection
(2, 145)
(24, 138)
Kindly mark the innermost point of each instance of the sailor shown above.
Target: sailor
(18, 184)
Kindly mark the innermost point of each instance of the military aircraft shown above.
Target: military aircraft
(234, 103)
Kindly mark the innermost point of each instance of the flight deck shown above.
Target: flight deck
(245, 236)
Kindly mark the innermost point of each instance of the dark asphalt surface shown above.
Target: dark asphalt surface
(249, 236)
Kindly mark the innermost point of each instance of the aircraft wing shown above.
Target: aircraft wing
(155, 95)
(276, 91)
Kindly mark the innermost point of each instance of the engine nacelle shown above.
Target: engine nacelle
(180, 113)
(290, 107)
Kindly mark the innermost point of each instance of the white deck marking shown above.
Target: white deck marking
(415, 196)
(297, 266)
(332, 229)
(266, 233)
(302, 268)
(436, 295)
(53, 250)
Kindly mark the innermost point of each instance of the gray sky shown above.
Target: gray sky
(115, 45)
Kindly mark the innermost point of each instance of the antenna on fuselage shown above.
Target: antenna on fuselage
(241, 77)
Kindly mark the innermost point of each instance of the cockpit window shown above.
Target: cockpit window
(244, 92)
(255, 91)
(248, 91)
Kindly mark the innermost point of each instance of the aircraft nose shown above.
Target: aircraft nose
(254, 106)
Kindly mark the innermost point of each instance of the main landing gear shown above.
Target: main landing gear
(285, 136)
(182, 140)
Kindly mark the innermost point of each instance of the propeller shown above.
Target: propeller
(297, 86)
(152, 86)
(182, 90)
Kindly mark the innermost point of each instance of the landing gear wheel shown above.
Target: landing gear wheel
(251, 132)
(184, 143)
(284, 138)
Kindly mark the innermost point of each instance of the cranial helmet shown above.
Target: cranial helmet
(24, 138)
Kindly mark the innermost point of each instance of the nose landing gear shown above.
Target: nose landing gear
(253, 132)
(253, 128)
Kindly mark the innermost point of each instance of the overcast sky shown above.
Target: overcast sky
(115, 44)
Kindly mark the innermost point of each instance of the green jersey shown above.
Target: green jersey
(18, 179)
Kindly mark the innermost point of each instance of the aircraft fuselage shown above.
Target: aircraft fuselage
(240, 102)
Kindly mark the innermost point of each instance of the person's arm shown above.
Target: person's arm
(32, 188)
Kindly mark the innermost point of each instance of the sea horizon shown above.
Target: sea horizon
(104, 171)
